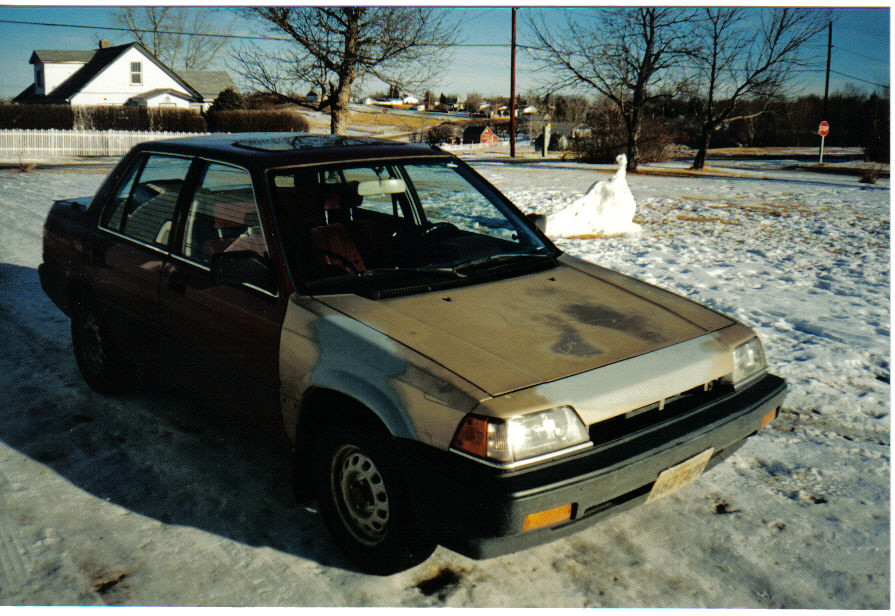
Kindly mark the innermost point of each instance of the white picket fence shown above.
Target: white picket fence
(18, 145)
(501, 143)
(461, 147)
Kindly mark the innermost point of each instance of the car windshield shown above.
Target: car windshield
(379, 226)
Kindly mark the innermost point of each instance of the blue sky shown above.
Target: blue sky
(861, 41)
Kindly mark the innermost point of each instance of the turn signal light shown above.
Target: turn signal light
(546, 518)
(472, 436)
(768, 418)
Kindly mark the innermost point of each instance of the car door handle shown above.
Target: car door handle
(177, 281)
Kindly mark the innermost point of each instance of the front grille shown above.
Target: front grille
(657, 413)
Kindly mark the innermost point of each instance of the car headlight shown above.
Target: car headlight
(520, 438)
(748, 360)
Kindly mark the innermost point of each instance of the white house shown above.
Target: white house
(120, 75)
(407, 102)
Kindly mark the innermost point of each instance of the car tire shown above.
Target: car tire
(364, 500)
(101, 365)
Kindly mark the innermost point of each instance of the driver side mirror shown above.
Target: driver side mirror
(538, 220)
(242, 267)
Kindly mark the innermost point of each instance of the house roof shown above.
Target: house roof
(60, 55)
(475, 130)
(99, 60)
(208, 83)
(25, 95)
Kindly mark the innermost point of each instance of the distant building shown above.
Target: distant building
(119, 75)
(406, 102)
(479, 134)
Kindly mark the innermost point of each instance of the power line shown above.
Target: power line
(232, 36)
(274, 38)
(881, 85)
(235, 36)
(855, 53)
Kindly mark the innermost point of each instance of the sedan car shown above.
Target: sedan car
(440, 370)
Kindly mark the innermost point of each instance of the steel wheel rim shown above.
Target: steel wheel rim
(360, 494)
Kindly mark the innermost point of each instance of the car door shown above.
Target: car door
(131, 246)
(221, 341)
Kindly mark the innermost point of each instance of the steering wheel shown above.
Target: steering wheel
(421, 234)
(343, 261)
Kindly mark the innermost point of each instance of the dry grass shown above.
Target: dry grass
(706, 219)
(397, 121)
(690, 173)
(594, 236)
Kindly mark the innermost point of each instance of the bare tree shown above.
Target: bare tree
(473, 102)
(736, 58)
(158, 29)
(335, 48)
(624, 54)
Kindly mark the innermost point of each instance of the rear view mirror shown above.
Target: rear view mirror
(389, 186)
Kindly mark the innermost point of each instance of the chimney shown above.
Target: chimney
(104, 44)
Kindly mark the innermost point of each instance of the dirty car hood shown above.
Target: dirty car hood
(520, 332)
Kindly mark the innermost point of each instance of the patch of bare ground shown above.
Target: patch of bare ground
(706, 219)
(595, 236)
(690, 173)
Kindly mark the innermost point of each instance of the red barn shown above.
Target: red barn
(479, 134)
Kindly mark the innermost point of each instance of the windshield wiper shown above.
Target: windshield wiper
(500, 258)
(446, 272)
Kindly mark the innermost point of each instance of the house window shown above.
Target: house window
(136, 74)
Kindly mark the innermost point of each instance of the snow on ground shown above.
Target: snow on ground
(149, 500)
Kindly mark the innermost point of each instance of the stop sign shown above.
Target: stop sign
(824, 129)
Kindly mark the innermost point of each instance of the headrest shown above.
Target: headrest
(336, 196)
(233, 214)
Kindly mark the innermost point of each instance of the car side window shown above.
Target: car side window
(223, 216)
(113, 214)
(143, 206)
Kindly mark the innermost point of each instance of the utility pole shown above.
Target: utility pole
(824, 126)
(513, 90)
(829, 55)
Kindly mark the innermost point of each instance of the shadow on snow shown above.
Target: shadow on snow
(151, 452)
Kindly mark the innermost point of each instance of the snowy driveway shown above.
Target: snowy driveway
(147, 500)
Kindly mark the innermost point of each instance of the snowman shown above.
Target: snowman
(607, 208)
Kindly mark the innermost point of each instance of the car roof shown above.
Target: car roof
(269, 150)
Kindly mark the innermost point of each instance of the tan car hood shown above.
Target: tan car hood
(516, 333)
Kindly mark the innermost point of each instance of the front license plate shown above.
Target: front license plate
(676, 477)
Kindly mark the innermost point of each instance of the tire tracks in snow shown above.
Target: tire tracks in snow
(15, 563)
(32, 342)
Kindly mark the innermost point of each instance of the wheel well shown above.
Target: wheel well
(319, 405)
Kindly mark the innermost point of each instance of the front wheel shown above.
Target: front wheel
(364, 501)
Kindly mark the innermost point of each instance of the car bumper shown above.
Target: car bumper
(53, 284)
(479, 511)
